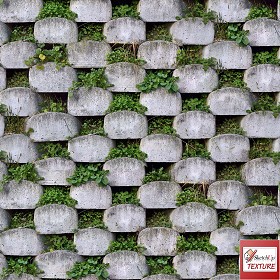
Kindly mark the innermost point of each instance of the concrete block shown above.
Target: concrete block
(158, 54)
(3, 169)
(5, 33)
(161, 277)
(55, 219)
(93, 241)
(158, 195)
(92, 196)
(125, 125)
(276, 145)
(3, 79)
(231, 195)
(192, 31)
(50, 79)
(124, 76)
(4, 219)
(52, 126)
(125, 218)
(229, 55)
(20, 11)
(23, 195)
(161, 103)
(278, 10)
(88, 54)
(194, 79)
(195, 265)
(226, 277)
(162, 148)
(126, 265)
(21, 242)
(19, 148)
(55, 171)
(193, 171)
(259, 219)
(195, 125)
(194, 217)
(56, 264)
(2, 125)
(158, 241)
(263, 32)
(23, 276)
(125, 30)
(92, 11)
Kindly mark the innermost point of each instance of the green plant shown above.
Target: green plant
(161, 125)
(91, 218)
(22, 219)
(261, 197)
(231, 78)
(229, 126)
(23, 33)
(3, 109)
(229, 172)
(92, 126)
(3, 156)
(159, 32)
(51, 104)
(126, 11)
(14, 124)
(260, 11)
(49, 150)
(237, 34)
(125, 197)
(196, 104)
(159, 219)
(266, 57)
(228, 265)
(158, 79)
(58, 242)
(125, 242)
(221, 31)
(160, 265)
(156, 175)
(195, 149)
(91, 31)
(18, 79)
(226, 218)
(261, 237)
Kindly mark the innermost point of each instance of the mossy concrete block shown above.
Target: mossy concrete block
(23, 195)
(55, 219)
(126, 265)
(92, 11)
(158, 54)
(125, 218)
(230, 195)
(158, 241)
(226, 277)
(124, 76)
(88, 54)
(91, 196)
(125, 30)
(52, 126)
(3, 263)
(3, 169)
(3, 78)
(229, 148)
(194, 217)
(23, 276)
(229, 55)
(194, 171)
(261, 219)
(56, 264)
(194, 79)
(195, 265)
(90, 148)
(21, 242)
(50, 79)
(93, 241)
(125, 125)
(4, 33)
(159, 195)
(162, 148)
(161, 277)
(4, 219)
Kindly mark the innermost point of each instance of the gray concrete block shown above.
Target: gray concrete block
(195, 265)
(19, 148)
(56, 264)
(162, 148)
(91, 196)
(3, 79)
(125, 30)
(231, 195)
(194, 171)
(4, 219)
(5, 33)
(124, 76)
(88, 54)
(3, 169)
(50, 79)
(52, 126)
(192, 31)
(23, 276)
(158, 241)
(194, 79)
(126, 265)
(226, 277)
(158, 54)
(55, 171)
(23, 195)
(125, 218)
(158, 195)
(161, 103)
(125, 125)
(161, 277)
(92, 11)
(93, 241)
(21, 242)
(194, 217)
(2, 125)
(276, 145)
(259, 219)
(229, 148)
(55, 219)
(3, 262)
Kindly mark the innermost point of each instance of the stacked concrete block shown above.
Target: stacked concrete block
(3, 79)
(5, 33)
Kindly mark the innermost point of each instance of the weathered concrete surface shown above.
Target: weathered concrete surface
(226, 277)
(3, 169)
(4, 219)
(161, 277)
(2, 125)
(276, 145)
(23, 276)
(3, 79)
(5, 33)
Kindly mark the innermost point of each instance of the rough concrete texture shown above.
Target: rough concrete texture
(23, 276)
(158, 54)
(125, 218)
(3, 169)
(2, 125)
(161, 277)
(126, 265)
(158, 194)
(158, 241)
(192, 31)
(3, 79)
(5, 33)
(226, 277)
(55, 219)
(125, 30)
(276, 145)
(4, 219)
